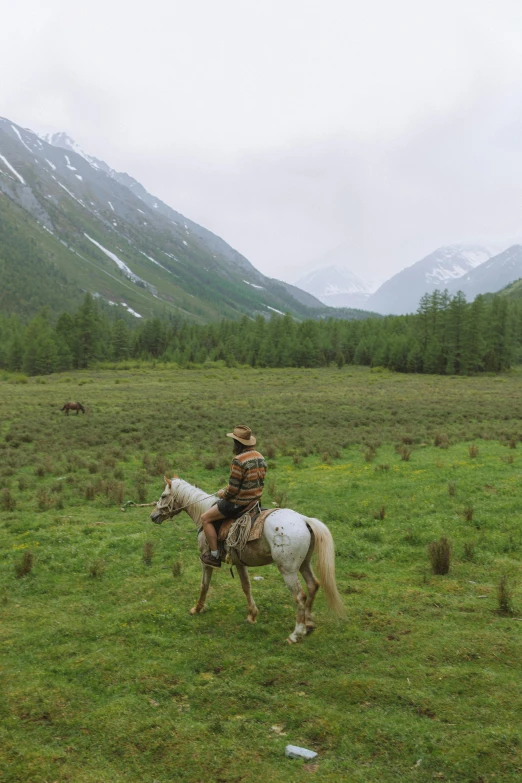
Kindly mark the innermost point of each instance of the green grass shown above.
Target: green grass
(105, 677)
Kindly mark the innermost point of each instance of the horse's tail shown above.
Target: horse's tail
(324, 546)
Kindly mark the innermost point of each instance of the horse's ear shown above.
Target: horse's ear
(168, 481)
(175, 475)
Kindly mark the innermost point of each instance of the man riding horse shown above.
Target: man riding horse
(244, 490)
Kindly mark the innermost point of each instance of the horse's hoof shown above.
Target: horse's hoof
(194, 610)
(310, 629)
(251, 620)
(291, 641)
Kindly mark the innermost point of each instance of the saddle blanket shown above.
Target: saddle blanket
(256, 529)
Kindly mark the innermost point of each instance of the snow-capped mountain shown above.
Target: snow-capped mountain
(335, 285)
(494, 274)
(84, 227)
(441, 269)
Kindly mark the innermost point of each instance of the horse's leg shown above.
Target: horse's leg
(313, 586)
(293, 584)
(205, 582)
(245, 584)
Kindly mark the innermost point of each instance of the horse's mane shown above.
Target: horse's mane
(186, 493)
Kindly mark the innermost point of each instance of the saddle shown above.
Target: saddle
(257, 523)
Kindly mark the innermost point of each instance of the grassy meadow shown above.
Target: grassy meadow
(104, 676)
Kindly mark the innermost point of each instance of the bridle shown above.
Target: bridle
(166, 509)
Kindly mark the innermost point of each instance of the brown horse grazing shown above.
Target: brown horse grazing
(73, 406)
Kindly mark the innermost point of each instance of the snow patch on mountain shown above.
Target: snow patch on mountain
(12, 168)
(15, 129)
(65, 142)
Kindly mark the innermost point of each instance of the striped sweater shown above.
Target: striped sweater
(247, 477)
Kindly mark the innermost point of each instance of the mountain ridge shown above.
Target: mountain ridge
(402, 292)
(107, 234)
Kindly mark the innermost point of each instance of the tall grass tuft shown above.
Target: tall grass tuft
(271, 451)
(7, 500)
(452, 488)
(44, 499)
(405, 453)
(469, 551)
(467, 512)
(439, 553)
(177, 569)
(473, 451)
(280, 498)
(148, 552)
(25, 565)
(97, 568)
(505, 597)
(141, 489)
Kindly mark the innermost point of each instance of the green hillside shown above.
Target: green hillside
(513, 290)
(69, 224)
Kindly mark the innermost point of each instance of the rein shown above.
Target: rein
(170, 503)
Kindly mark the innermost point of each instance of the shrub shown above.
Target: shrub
(369, 455)
(93, 468)
(508, 459)
(383, 467)
(148, 552)
(439, 553)
(441, 440)
(473, 451)
(469, 551)
(25, 565)
(210, 464)
(505, 597)
(90, 492)
(7, 500)
(23, 483)
(405, 453)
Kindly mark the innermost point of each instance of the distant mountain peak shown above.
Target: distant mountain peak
(442, 268)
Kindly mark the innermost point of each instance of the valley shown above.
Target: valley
(106, 677)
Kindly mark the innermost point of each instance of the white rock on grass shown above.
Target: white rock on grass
(295, 752)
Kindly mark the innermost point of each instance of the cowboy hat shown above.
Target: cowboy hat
(243, 434)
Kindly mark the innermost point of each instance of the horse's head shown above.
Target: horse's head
(166, 506)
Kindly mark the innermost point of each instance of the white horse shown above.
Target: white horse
(289, 540)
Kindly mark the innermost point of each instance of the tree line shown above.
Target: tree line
(445, 336)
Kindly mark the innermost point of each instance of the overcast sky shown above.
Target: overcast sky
(299, 131)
